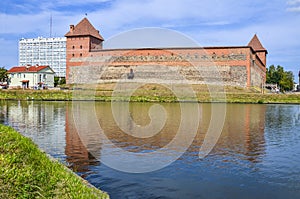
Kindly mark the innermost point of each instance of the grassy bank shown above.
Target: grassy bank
(26, 172)
(152, 93)
(51, 95)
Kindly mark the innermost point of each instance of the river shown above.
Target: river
(256, 154)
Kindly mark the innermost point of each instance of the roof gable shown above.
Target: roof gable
(256, 44)
(84, 28)
(27, 69)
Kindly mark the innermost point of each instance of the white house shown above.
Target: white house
(31, 77)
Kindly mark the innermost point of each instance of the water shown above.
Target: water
(256, 156)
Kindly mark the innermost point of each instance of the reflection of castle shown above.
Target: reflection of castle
(78, 157)
(237, 65)
(243, 132)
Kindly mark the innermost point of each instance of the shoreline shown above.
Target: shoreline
(28, 172)
(151, 94)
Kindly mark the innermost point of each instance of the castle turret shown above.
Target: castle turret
(81, 39)
(259, 49)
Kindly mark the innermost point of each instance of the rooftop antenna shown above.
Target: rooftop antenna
(50, 25)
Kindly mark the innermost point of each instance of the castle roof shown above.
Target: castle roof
(26, 69)
(84, 28)
(256, 44)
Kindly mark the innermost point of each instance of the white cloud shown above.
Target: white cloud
(294, 6)
(210, 22)
(294, 9)
(37, 24)
(20, 23)
(293, 2)
(74, 2)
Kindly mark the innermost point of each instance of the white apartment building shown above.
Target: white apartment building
(45, 52)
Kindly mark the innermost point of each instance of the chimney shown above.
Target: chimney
(72, 28)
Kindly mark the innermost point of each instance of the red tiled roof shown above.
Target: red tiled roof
(255, 44)
(22, 69)
(84, 28)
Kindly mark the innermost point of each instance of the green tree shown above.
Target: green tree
(277, 75)
(287, 81)
(3, 74)
(59, 81)
(56, 81)
(62, 81)
(270, 75)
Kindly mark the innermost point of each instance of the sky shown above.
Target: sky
(208, 22)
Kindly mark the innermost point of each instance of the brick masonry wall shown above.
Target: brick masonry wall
(227, 66)
(258, 72)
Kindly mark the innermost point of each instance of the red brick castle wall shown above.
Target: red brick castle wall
(243, 66)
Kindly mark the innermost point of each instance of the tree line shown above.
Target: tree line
(3, 74)
(277, 75)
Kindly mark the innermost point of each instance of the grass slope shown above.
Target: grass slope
(26, 172)
(152, 93)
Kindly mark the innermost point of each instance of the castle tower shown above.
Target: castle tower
(81, 39)
(259, 49)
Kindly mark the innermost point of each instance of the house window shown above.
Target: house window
(44, 76)
(24, 76)
(12, 75)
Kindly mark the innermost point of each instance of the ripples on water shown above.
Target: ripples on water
(257, 155)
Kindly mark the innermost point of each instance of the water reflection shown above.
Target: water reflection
(240, 148)
(43, 122)
(257, 155)
(242, 136)
(78, 157)
(243, 132)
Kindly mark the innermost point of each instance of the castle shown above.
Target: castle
(86, 61)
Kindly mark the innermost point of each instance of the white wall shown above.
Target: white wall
(46, 76)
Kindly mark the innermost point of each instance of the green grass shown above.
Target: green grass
(151, 93)
(50, 95)
(26, 172)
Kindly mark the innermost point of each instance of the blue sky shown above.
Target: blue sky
(209, 22)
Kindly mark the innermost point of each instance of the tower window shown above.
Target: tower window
(80, 54)
(73, 55)
(80, 46)
(73, 47)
